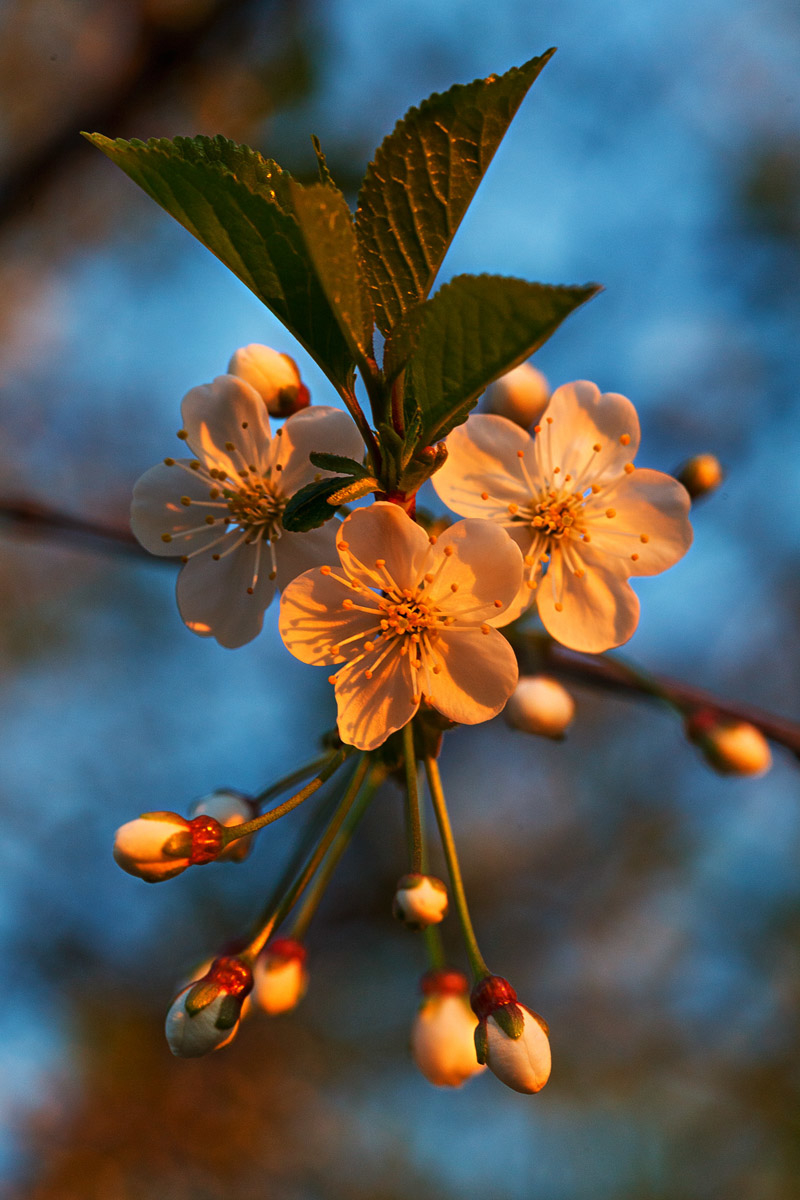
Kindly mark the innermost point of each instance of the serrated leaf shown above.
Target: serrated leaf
(475, 329)
(309, 508)
(327, 227)
(424, 176)
(322, 162)
(354, 490)
(239, 205)
(338, 462)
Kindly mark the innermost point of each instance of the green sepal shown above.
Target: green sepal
(309, 508)
(510, 1019)
(179, 845)
(200, 996)
(354, 491)
(481, 1042)
(230, 1010)
(339, 463)
(424, 463)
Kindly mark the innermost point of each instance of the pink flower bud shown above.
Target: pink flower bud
(274, 376)
(280, 976)
(205, 1015)
(155, 846)
(729, 746)
(701, 474)
(511, 1039)
(229, 808)
(540, 705)
(443, 1033)
(420, 901)
(521, 395)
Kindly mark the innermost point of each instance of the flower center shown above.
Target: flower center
(555, 515)
(257, 505)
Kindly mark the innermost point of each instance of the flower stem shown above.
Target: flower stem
(413, 821)
(476, 961)
(434, 946)
(332, 765)
(338, 846)
(290, 780)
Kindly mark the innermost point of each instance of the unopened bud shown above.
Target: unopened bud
(729, 746)
(540, 705)
(205, 1015)
(443, 1033)
(420, 901)
(701, 474)
(510, 1038)
(229, 808)
(159, 845)
(521, 395)
(280, 976)
(274, 376)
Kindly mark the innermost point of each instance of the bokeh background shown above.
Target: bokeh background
(650, 909)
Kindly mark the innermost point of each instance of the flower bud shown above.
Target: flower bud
(540, 705)
(280, 976)
(158, 845)
(274, 376)
(443, 1033)
(510, 1038)
(206, 1014)
(729, 746)
(230, 808)
(420, 901)
(701, 474)
(521, 395)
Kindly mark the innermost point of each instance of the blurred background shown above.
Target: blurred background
(648, 908)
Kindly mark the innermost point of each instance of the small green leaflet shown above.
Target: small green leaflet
(240, 206)
(475, 329)
(424, 176)
(327, 227)
(309, 508)
(338, 462)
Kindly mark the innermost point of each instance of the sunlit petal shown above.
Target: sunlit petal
(590, 612)
(483, 461)
(383, 532)
(224, 597)
(161, 522)
(586, 435)
(317, 428)
(649, 530)
(477, 676)
(227, 424)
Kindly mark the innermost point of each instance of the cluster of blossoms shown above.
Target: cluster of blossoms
(406, 614)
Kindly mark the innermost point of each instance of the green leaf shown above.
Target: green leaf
(322, 162)
(475, 329)
(424, 176)
(327, 226)
(309, 508)
(354, 490)
(240, 206)
(338, 462)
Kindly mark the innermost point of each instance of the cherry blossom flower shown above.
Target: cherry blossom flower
(584, 517)
(405, 618)
(420, 901)
(280, 976)
(220, 511)
(443, 1033)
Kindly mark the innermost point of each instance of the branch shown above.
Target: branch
(36, 520)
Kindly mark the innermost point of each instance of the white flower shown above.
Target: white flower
(521, 395)
(574, 503)
(729, 746)
(205, 1016)
(443, 1037)
(540, 705)
(420, 901)
(406, 616)
(521, 1063)
(229, 808)
(280, 976)
(274, 376)
(155, 846)
(220, 511)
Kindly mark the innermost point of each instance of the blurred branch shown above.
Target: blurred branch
(36, 520)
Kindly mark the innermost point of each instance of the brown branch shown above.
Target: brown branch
(35, 520)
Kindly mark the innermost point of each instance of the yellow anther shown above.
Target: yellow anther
(368, 674)
(184, 558)
(611, 513)
(209, 520)
(182, 434)
(453, 587)
(185, 501)
(559, 607)
(380, 562)
(166, 537)
(343, 546)
(597, 447)
(520, 454)
(484, 495)
(331, 679)
(348, 603)
(643, 538)
(415, 699)
(436, 670)
(369, 647)
(532, 583)
(513, 509)
(279, 466)
(169, 462)
(273, 575)
(629, 468)
(595, 488)
(635, 557)
(545, 558)
(579, 572)
(325, 570)
(214, 493)
(429, 578)
(586, 537)
(567, 478)
(549, 420)
(216, 557)
(250, 591)
(229, 446)
(625, 440)
(486, 628)
(195, 464)
(498, 603)
(529, 560)
(537, 429)
(556, 470)
(244, 424)
(433, 539)
(448, 550)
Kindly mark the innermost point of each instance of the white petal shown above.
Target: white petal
(645, 503)
(384, 531)
(226, 412)
(279, 984)
(479, 672)
(577, 419)
(443, 1040)
(213, 598)
(521, 1063)
(317, 428)
(296, 553)
(157, 510)
(191, 1037)
(598, 610)
(312, 619)
(482, 456)
(371, 709)
(485, 566)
